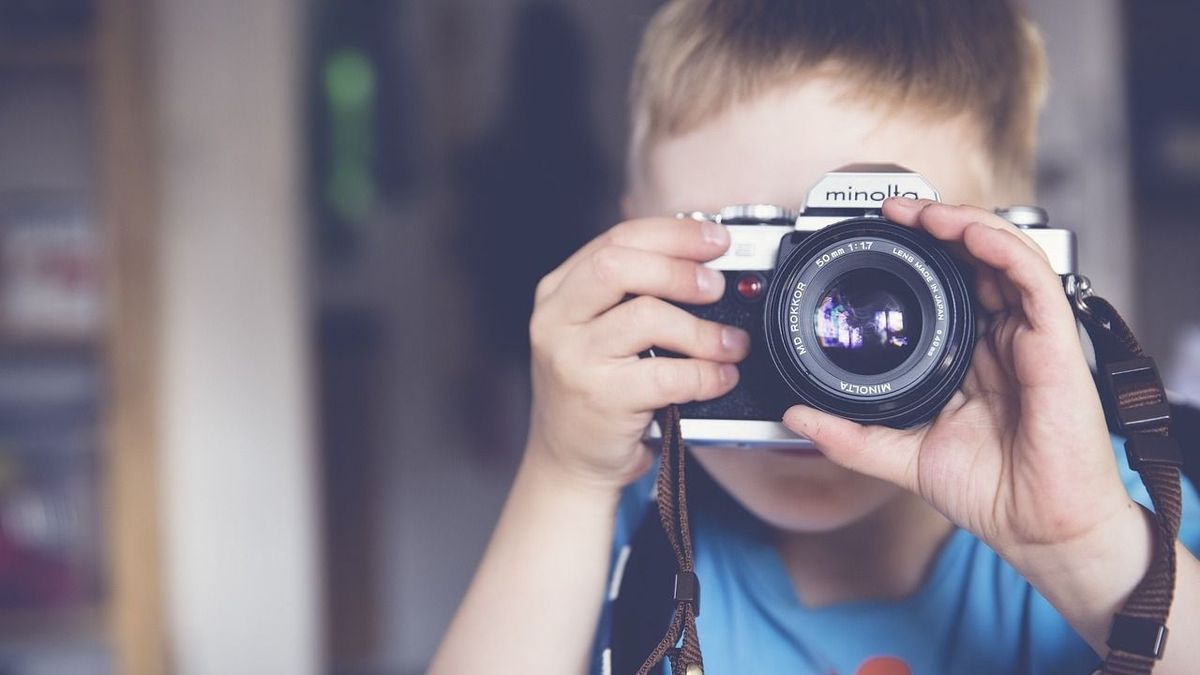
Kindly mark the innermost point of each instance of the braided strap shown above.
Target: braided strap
(671, 498)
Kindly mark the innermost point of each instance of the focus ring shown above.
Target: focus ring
(913, 392)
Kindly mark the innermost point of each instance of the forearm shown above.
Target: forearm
(1090, 582)
(535, 600)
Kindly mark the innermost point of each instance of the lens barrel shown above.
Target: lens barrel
(870, 321)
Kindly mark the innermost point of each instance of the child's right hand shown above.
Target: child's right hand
(592, 395)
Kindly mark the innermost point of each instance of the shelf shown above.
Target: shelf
(42, 626)
(50, 52)
(49, 345)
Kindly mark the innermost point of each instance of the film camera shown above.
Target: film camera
(848, 312)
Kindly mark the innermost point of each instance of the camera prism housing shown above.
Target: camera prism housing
(847, 311)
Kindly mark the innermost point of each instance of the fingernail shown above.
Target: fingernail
(709, 280)
(734, 339)
(728, 374)
(905, 202)
(714, 233)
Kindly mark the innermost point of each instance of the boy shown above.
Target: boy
(999, 538)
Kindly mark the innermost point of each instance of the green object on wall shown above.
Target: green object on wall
(350, 94)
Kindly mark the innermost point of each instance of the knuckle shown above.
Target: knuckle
(687, 233)
(606, 264)
(685, 276)
(952, 212)
(708, 383)
(543, 288)
(969, 212)
(620, 234)
(538, 331)
(643, 313)
(928, 207)
(671, 381)
(562, 368)
(693, 382)
(706, 335)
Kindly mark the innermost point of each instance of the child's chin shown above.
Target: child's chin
(815, 517)
(801, 495)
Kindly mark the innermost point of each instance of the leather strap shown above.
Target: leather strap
(1134, 400)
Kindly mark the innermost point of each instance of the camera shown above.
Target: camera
(847, 311)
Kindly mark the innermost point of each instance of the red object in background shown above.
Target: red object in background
(48, 553)
(884, 665)
(29, 579)
(50, 271)
(50, 520)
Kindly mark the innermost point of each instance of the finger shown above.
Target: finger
(1041, 297)
(644, 322)
(650, 384)
(988, 290)
(675, 237)
(611, 272)
(987, 375)
(947, 221)
(876, 451)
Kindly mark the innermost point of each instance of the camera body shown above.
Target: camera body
(847, 311)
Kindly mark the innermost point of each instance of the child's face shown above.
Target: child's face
(772, 150)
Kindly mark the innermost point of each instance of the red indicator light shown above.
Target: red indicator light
(750, 286)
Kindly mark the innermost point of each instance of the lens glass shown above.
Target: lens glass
(868, 321)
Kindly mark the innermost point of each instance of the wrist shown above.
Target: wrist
(550, 473)
(1122, 544)
(1089, 577)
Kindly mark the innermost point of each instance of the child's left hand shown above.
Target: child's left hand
(1020, 456)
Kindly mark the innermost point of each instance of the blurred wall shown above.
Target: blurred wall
(1083, 154)
(1164, 103)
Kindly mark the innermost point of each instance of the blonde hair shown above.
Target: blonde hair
(983, 58)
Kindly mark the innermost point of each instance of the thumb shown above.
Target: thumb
(881, 452)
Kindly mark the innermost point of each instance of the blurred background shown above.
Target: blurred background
(265, 272)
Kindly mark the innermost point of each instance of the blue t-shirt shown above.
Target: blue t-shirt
(972, 614)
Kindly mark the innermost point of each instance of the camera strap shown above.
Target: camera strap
(1135, 403)
(671, 500)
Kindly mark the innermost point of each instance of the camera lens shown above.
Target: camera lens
(867, 321)
(870, 321)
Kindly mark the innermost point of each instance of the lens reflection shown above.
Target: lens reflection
(868, 321)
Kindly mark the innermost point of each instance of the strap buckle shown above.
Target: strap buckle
(1138, 373)
(1137, 635)
(1146, 449)
(687, 589)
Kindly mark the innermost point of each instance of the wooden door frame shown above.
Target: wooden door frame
(126, 162)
